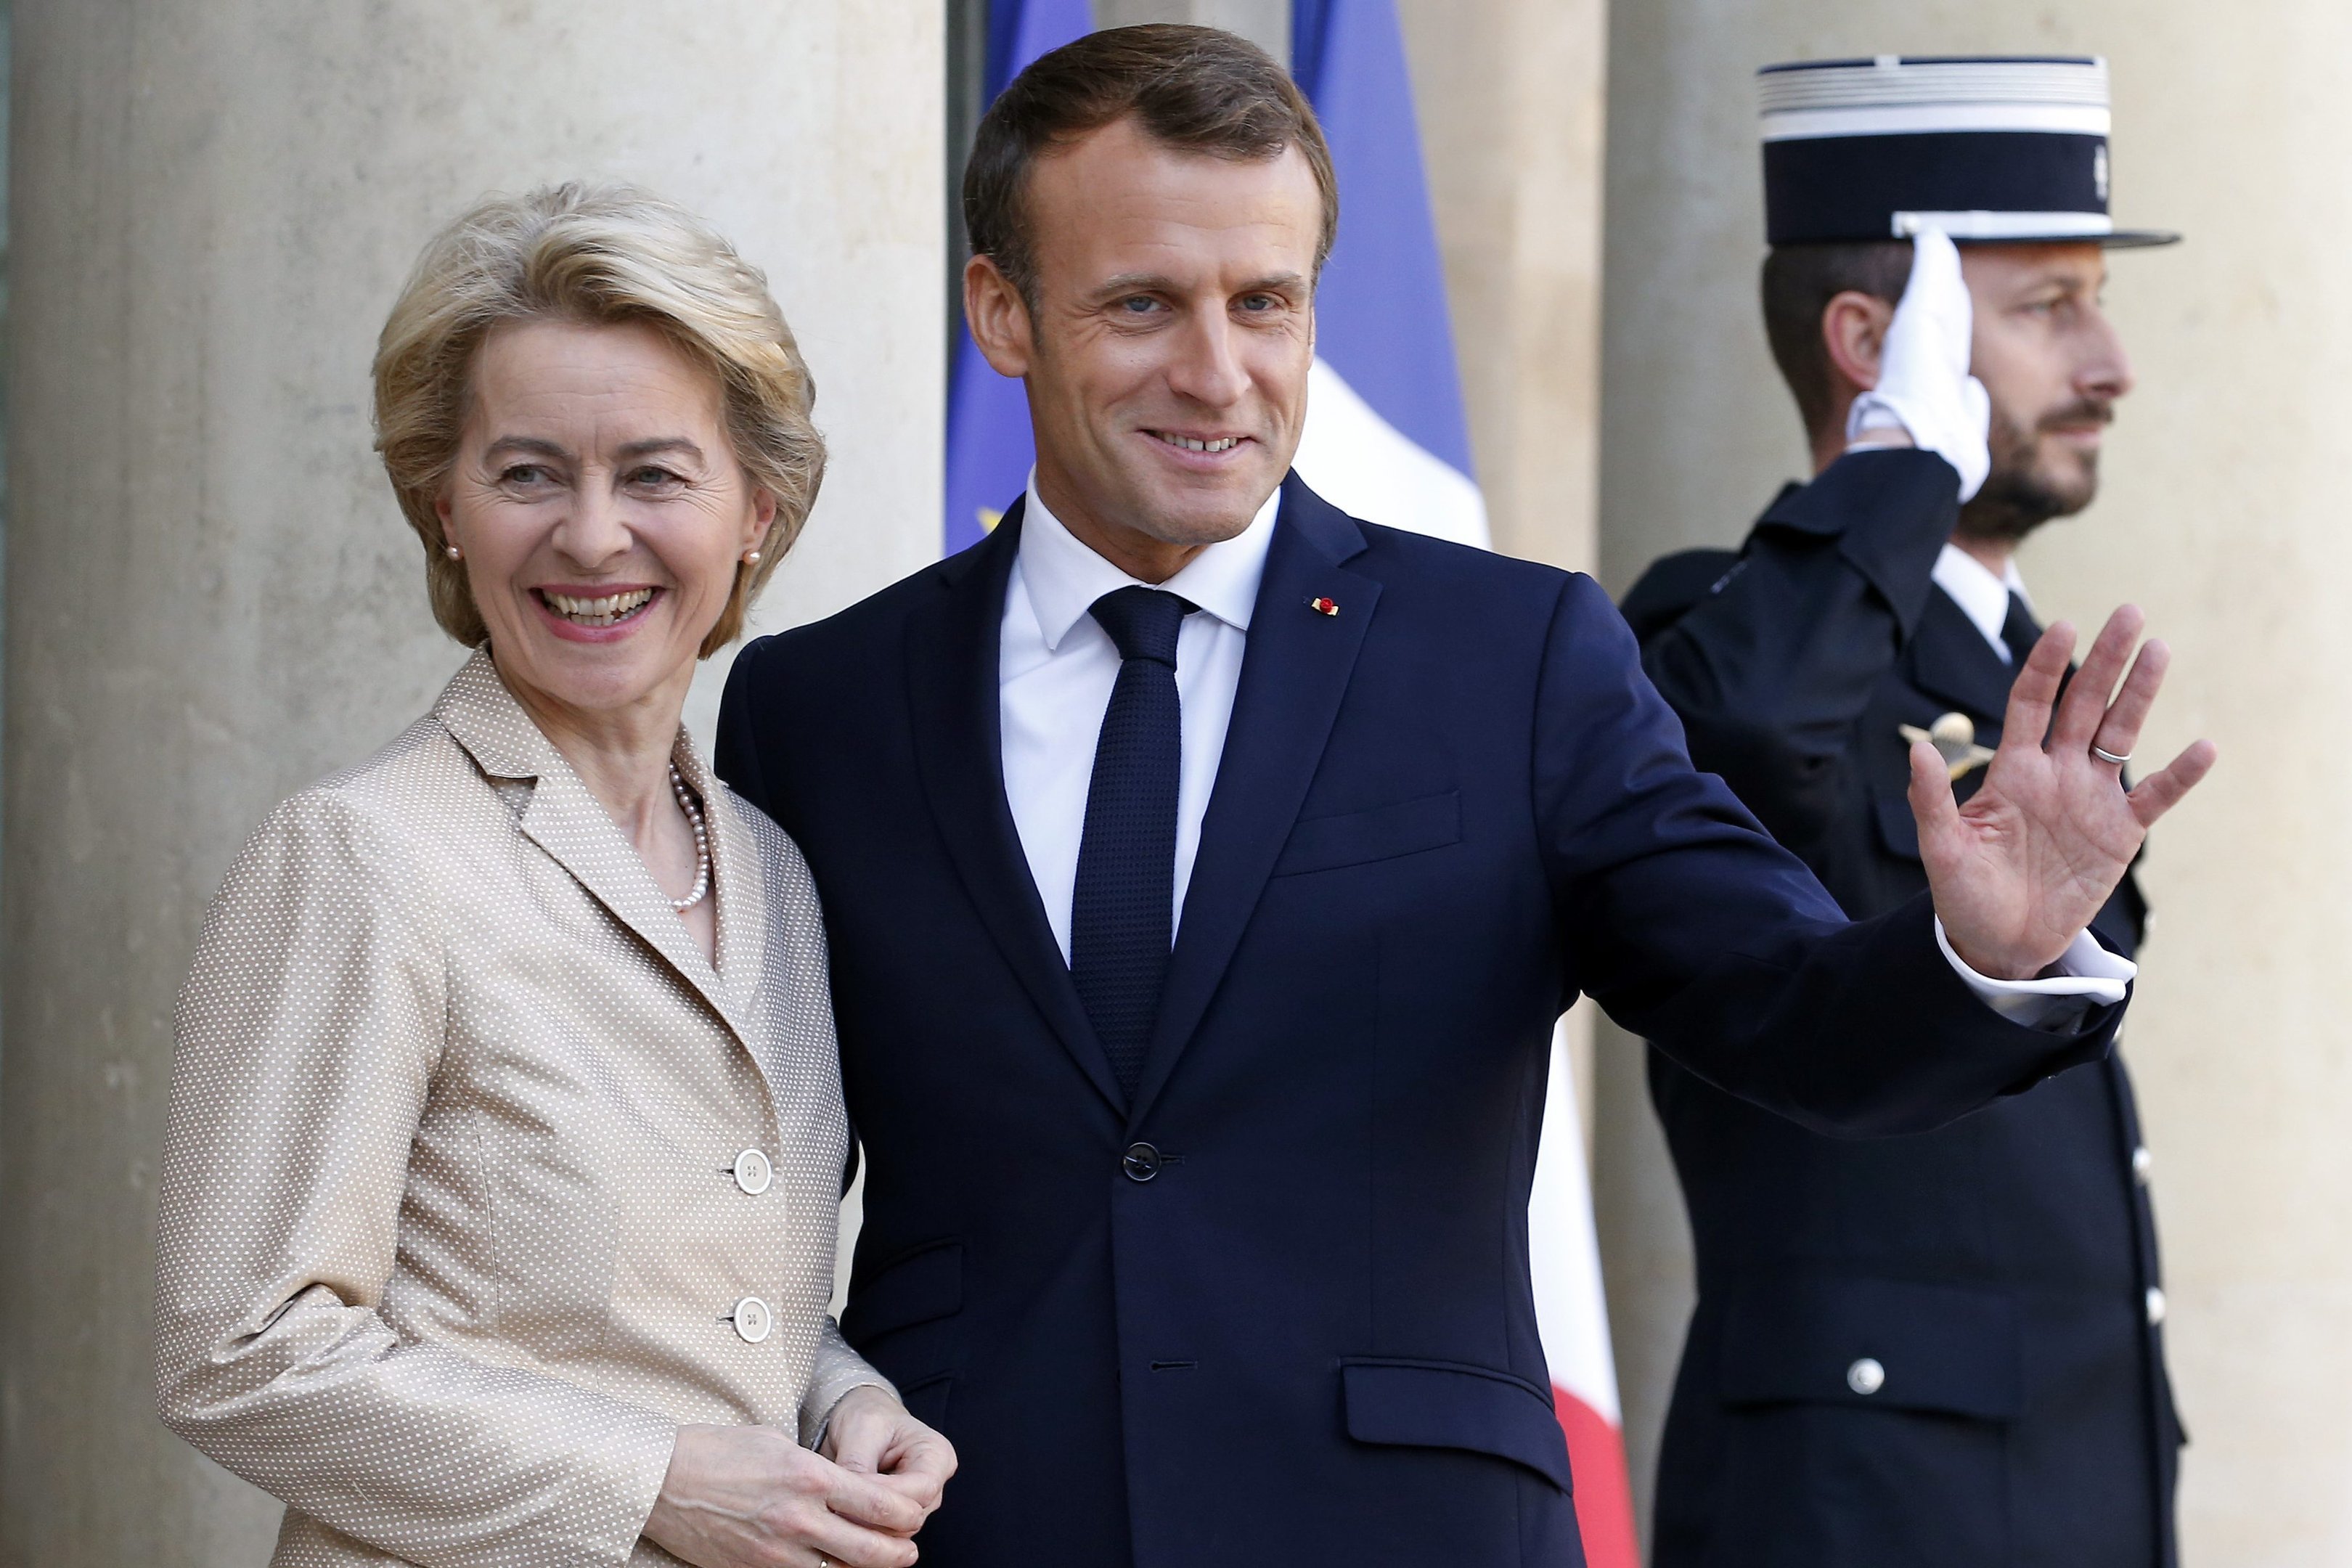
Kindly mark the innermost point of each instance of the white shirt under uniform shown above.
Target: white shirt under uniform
(1981, 595)
(1056, 667)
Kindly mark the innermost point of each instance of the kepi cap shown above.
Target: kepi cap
(1988, 148)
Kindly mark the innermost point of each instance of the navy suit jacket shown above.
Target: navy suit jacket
(1276, 1308)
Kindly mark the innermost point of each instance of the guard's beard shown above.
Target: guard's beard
(2019, 496)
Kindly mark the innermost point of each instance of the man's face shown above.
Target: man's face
(1173, 326)
(2053, 367)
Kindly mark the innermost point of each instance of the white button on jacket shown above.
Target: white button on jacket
(751, 1320)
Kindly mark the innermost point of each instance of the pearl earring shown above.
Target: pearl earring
(453, 553)
(750, 558)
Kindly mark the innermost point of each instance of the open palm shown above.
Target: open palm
(2022, 869)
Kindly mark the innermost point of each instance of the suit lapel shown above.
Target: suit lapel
(576, 831)
(1951, 660)
(1293, 677)
(956, 718)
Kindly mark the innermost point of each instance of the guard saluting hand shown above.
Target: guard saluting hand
(1926, 396)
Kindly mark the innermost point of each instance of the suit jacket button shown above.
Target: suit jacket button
(751, 1320)
(753, 1171)
(2156, 1307)
(1141, 1163)
(1865, 1377)
(2142, 1163)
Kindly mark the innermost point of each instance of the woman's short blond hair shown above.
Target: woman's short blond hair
(591, 253)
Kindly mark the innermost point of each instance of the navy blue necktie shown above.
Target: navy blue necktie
(1122, 915)
(2020, 631)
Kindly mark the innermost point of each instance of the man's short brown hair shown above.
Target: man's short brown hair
(1200, 90)
(1799, 282)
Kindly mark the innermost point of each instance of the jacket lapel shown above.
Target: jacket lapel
(1951, 660)
(576, 831)
(1293, 677)
(956, 712)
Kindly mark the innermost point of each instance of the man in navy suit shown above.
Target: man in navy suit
(1206, 869)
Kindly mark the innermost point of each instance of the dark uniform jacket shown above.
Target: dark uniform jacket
(1925, 1350)
(1274, 1307)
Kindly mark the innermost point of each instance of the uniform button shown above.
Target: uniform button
(753, 1171)
(1865, 1377)
(2143, 1162)
(751, 1320)
(2156, 1307)
(1141, 1162)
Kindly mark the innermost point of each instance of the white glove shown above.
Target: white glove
(1923, 384)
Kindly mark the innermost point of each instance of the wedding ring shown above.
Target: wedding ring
(2106, 756)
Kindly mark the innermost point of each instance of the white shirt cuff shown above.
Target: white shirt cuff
(2087, 976)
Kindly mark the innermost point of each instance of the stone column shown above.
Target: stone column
(212, 597)
(1510, 98)
(2221, 514)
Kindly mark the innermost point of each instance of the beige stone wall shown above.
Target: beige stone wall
(212, 600)
(1509, 94)
(2223, 514)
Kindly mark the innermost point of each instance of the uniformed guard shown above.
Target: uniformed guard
(1942, 1348)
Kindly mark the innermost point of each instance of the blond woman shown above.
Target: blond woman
(499, 1205)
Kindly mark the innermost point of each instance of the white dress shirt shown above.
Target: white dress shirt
(1056, 667)
(1980, 593)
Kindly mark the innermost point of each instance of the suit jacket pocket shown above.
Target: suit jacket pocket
(1383, 833)
(1446, 1404)
(917, 1287)
(1862, 1343)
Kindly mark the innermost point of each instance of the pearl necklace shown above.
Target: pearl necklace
(701, 843)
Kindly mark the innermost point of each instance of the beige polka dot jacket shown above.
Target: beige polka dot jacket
(479, 1178)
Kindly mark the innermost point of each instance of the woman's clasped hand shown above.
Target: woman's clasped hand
(747, 1497)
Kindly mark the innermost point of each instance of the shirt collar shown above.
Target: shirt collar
(1981, 595)
(1065, 577)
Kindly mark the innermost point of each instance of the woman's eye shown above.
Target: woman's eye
(650, 476)
(522, 474)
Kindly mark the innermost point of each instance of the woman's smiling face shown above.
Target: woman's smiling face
(600, 510)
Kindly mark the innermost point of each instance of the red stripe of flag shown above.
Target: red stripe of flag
(1604, 1495)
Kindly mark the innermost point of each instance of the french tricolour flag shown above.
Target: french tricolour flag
(1386, 441)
